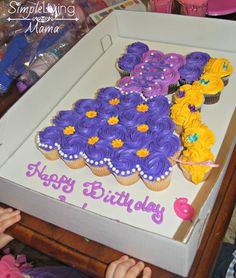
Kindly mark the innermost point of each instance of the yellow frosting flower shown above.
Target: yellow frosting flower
(210, 83)
(142, 107)
(114, 101)
(220, 66)
(183, 115)
(93, 140)
(198, 134)
(113, 120)
(117, 143)
(142, 153)
(190, 94)
(197, 172)
(208, 65)
(69, 130)
(142, 128)
(91, 114)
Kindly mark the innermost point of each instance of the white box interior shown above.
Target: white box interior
(79, 74)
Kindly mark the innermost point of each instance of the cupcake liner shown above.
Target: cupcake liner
(75, 164)
(193, 10)
(178, 129)
(158, 185)
(127, 180)
(100, 171)
(225, 79)
(212, 99)
(173, 88)
(50, 155)
(122, 73)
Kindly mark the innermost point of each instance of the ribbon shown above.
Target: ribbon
(209, 163)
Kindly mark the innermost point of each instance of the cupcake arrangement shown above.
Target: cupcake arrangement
(124, 135)
(130, 130)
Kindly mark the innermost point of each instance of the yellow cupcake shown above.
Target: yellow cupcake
(220, 66)
(198, 134)
(196, 173)
(190, 94)
(184, 114)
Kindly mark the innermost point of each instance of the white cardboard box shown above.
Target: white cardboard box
(87, 67)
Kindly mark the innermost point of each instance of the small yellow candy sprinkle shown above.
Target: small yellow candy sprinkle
(113, 120)
(69, 130)
(91, 114)
(142, 128)
(114, 101)
(93, 140)
(142, 107)
(142, 153)
(117, 143)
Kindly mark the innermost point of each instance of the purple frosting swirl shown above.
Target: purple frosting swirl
(137, 140)
(152, 56)
(124, 160)
(108, 93)
(156, 165)
(128, 61)
(130, 85)
(137, 48)
(66, 118)
(190, 73)
(174, 60)
(98, 152)
(84, 105)
(159, 105)
(159, 89)
(109, 133)
(72, 146)
(170, 76)
(163, 125)
(167, 144)
(131, 117)
(197, 58)
(131, 101)
(49, 136)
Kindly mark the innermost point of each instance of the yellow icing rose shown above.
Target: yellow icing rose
(210, 83)
(190, 94)
(198, 134)
(208, 65)
(184, 114)
(197, 172)
(220, 66)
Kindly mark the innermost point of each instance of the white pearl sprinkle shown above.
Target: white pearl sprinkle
(96, 163)
(145, 176)
(141, 173)
(162, 177)
(122, 173)
(117, 171)
(150, 178)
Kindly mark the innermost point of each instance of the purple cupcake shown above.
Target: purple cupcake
(189, 73)
(152, 56)
(71, 151)
(127, 62)
(159, 105)
(130, 85)
(156, 171)
(138, 48)
(110, 95)
(174, 60)
(66, 118)
(197, 58)
(158, 89)
(123, 166)
(163, 125)
(48, 141)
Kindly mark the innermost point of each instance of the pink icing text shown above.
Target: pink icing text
(63, 182)
(96, 191)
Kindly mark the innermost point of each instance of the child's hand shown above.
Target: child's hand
(8, 217)
(126, 267)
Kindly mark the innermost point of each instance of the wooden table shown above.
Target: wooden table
(93, 258)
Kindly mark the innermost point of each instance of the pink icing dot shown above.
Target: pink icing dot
(182, 209)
